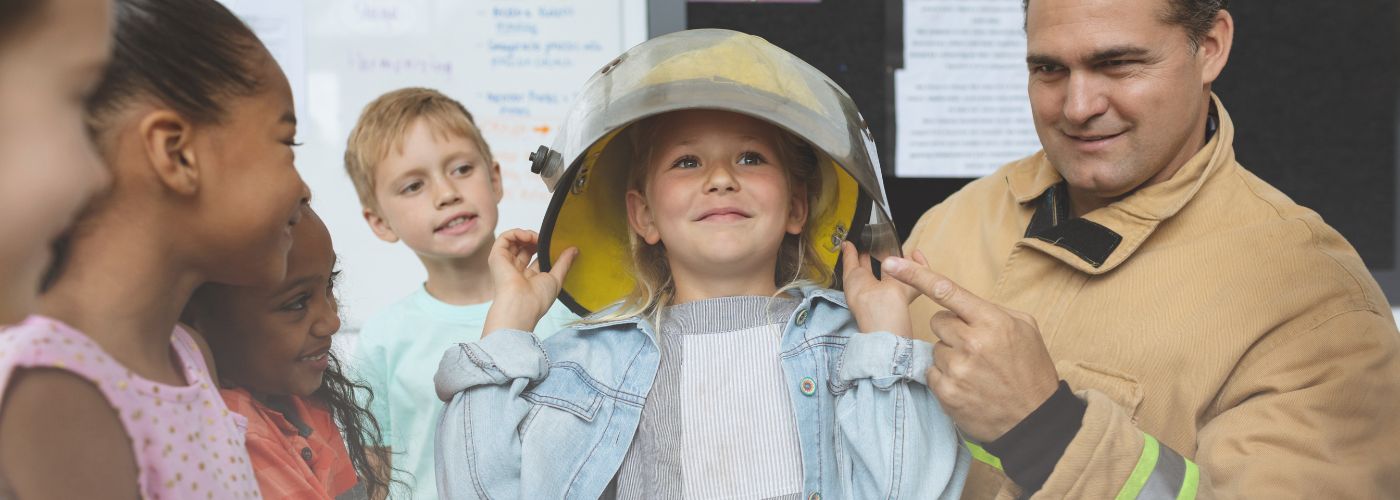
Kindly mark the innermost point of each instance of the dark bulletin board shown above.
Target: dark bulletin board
(1313, 87)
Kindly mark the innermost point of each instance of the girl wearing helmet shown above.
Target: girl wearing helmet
(714, 180)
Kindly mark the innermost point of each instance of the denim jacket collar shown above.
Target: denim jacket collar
(810, 293)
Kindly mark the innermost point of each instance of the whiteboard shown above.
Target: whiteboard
(515, 64)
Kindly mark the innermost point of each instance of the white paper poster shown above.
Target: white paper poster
(962, 109)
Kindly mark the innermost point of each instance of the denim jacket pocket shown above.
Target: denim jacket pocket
(569, 389)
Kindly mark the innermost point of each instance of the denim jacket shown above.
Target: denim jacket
(527, 419)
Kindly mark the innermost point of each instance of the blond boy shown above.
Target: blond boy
(425, 176)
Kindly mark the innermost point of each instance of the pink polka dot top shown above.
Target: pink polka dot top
(186, 442)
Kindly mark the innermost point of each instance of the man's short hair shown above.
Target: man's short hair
(384, 123)
(1197, 16)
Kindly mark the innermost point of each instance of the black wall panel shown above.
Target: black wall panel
(1313, 87)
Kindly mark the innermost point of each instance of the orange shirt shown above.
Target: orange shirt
(291, 461)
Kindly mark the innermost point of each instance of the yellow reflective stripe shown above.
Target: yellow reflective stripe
(1189, 484)
(981, 455)
(1142, 472)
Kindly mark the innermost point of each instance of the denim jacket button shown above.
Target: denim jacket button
(801, 317)
(809, 386)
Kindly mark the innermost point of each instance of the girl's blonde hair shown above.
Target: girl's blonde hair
(798, 261)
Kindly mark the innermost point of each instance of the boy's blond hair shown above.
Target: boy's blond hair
(385, 121)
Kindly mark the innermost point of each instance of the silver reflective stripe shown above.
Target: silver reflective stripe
(1161, 474)
(1167, 476)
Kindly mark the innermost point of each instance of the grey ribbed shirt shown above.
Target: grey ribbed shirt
(718, 422)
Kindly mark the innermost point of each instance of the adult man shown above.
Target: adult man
(1158, 322)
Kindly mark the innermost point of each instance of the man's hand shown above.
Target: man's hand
(879, 305)
(523, 293)
(992, 369)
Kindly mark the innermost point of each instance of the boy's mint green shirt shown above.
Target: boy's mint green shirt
(396, 356)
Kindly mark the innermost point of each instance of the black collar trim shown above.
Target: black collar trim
(1084, 238)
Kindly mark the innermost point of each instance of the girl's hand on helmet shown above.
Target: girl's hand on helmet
(523, 293)
(879, 305)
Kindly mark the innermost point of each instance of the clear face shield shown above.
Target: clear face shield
(589, 164)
